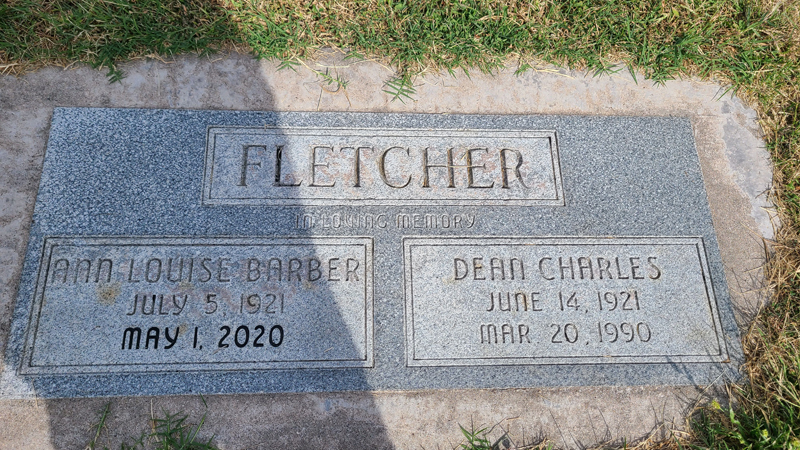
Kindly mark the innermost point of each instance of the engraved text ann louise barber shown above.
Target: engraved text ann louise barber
(198, 271)
(246, 302)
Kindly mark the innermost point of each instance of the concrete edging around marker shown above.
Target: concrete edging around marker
(734, 165)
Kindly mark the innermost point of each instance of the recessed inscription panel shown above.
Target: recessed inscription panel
(517, 301)
(167, 304)
(324, 166)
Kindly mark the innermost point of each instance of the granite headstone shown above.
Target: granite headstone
(176, 252)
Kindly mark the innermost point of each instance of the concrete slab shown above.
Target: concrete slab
(734, 166)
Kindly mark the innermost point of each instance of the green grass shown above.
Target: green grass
(172, 432)
(102, 33)
(752, 47)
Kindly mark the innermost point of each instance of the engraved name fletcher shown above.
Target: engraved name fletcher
(483, 167)
(398, 166)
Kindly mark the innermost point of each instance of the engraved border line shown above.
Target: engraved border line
(591, 240)
(51, 242)
(549, 134)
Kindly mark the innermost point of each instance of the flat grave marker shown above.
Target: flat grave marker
(177, 252)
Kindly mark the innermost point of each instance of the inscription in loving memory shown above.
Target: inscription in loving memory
(320, 166)
(372, 221)
(210, 303)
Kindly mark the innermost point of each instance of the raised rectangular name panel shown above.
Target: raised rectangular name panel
(361, 166)
(185, 252)
(128, 304)
(512, 301)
